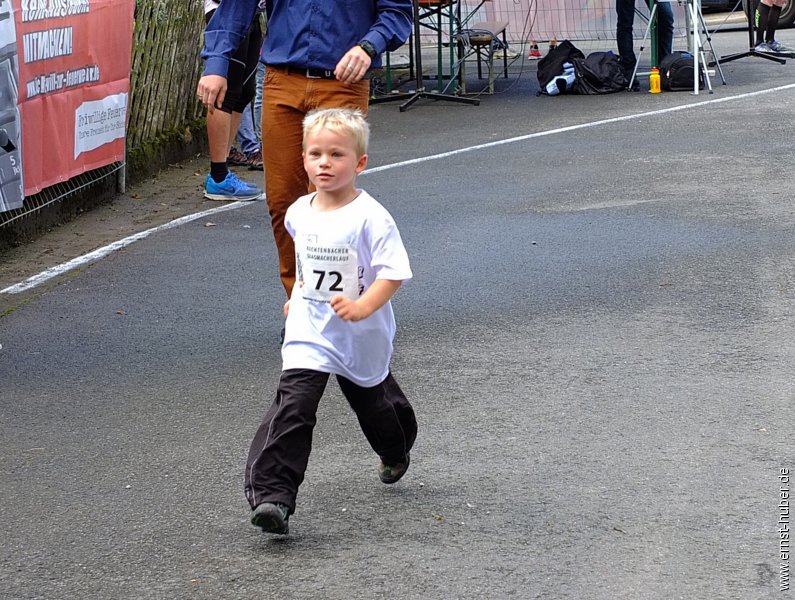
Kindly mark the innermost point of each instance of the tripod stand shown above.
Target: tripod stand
(749, 8)
(699, 27)
(421, 92)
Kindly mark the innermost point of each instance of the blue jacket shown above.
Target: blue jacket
(307, 33)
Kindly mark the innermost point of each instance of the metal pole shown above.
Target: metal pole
(121, 174)
(653, 40)
(694, 45)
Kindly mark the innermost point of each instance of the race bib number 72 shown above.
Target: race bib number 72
(326, 270)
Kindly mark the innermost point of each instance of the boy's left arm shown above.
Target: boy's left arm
(374, 298)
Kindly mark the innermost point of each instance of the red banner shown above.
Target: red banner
(73, 85)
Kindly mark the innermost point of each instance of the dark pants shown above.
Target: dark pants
(280, 450)
(625, 13)
(241, 79)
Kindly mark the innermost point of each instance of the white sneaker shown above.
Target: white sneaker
(779, 47)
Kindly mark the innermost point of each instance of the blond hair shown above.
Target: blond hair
(345, 121)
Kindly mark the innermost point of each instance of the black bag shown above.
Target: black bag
(599, 73)
(551, 65)
(676, 73)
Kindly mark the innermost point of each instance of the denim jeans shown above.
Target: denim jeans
(625, 13)
(258, 100)
(247, 138)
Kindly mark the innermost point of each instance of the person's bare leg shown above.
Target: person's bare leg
(219, 124)
(234, 125)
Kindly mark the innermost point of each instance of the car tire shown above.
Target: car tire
(787, 17)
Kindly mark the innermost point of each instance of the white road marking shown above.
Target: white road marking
(588, 125)
(104, 251)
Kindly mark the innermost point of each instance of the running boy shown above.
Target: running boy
(350, 261)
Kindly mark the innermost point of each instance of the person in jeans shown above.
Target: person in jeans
(248, 140)
(307, 66)
(625, 19)
(351, 261)
(223, 118)
(257, 107)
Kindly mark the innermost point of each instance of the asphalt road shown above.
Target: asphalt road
(598, 343)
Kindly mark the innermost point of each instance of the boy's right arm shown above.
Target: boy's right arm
(374, 298)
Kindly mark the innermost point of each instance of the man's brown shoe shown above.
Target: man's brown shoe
(254, 161)
(236, 158)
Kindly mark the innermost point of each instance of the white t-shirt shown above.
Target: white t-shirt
(342, 252)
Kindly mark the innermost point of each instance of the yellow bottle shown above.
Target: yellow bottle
(654, 81)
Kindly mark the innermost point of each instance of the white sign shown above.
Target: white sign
(99, 122)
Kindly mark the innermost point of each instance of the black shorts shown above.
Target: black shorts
(241, 79)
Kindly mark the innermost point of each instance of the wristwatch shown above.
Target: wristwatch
(369, 48)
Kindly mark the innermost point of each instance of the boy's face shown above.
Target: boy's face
(330, 160)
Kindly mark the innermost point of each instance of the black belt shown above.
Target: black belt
(309, 73)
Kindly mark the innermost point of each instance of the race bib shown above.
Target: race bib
(326, 270)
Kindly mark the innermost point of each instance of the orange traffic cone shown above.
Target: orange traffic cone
(534, 53)
(553, 43)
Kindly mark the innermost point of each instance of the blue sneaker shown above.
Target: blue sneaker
(777, 46)
(231, 188)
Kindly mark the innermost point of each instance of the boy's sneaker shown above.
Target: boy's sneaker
(255, 161)
(779, 47)
(231, 188)
(763, 47)
(271, 518)
(392, 473)
(236, 158)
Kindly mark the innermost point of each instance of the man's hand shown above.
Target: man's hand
(352, 66)
(211, 91)
(286, 309)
